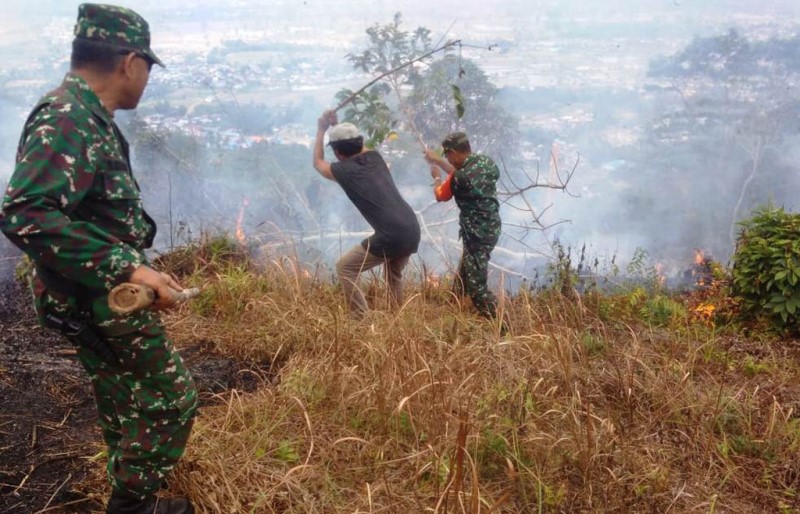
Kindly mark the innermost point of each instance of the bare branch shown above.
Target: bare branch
(563, 181)
(539, 226)
(427, 206)
(507, 271)
(424, 226)
(520, 241)
(443, 222)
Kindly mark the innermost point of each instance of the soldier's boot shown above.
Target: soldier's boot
(120, 503)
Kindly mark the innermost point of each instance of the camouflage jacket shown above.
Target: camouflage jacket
(72, 204)
(474, 188)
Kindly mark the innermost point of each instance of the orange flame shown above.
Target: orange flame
(705, 313)
(702, 270)
(240, 222)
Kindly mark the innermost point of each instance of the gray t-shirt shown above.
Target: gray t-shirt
(366, 180)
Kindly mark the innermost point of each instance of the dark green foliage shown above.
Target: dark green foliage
(455, 94)
(391, 47)
(730, 54)
(369, 112)
(430, 97)
(766, 266)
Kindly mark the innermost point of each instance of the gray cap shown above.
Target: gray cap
(343, 132)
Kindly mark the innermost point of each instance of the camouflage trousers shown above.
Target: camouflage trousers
(472, 277)
(146, 406)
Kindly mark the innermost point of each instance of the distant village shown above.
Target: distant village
(249, 68)
(227, 65)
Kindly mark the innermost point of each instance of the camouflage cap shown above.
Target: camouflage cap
(454, 140)
(116, 26)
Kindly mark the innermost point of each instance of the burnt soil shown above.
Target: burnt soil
(48, 429)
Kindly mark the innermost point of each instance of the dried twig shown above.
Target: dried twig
(46, 505)
(15, 492)
(563, 182)
(66, 417)
(61, 506)
(34, 467)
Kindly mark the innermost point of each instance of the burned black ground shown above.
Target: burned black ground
(48, 432)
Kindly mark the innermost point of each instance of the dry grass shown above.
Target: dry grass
(586, 405)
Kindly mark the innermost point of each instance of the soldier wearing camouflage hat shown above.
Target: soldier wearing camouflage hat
(74, 207)
(472, 181)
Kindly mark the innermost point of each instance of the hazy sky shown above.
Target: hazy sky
(543, 17)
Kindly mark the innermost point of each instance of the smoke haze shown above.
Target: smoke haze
(222, 137)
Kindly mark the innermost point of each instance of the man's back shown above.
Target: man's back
(366, 180)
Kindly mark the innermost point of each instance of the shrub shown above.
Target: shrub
(766, 266)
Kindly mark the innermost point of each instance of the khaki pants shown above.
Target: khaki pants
(358, 259)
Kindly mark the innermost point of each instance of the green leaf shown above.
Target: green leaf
(286, 453)
(459, 99)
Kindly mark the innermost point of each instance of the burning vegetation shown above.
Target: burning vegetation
(701, 273)
(630, 390)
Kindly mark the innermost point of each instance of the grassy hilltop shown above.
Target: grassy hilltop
(634, 401)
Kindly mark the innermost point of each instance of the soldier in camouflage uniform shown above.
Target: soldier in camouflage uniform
(75, 209)
(472, 181)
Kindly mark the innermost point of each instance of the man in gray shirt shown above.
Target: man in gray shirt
(363, 175)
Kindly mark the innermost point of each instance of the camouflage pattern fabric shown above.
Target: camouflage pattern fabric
(115, 26)
(473, 272)
(72, 203)
(146, 410)
(73, 206)
(474, 188)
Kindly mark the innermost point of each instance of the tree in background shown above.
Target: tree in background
(415, 94)
(431, 97)
(196, 183)
(389, 53)
(491, 129)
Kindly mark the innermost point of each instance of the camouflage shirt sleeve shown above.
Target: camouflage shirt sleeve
(56, 168)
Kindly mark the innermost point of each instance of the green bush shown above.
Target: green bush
(766, 266)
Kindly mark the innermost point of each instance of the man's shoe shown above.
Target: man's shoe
(121, 503)
(173, 506)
